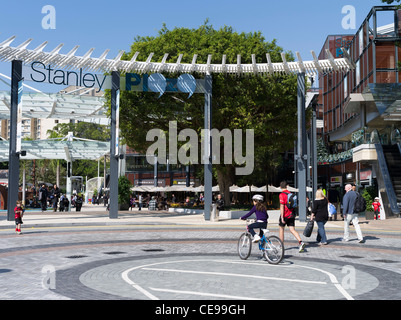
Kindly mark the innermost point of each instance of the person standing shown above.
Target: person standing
(18, 214)
(376, 207)
(54, 196)
(349, 215)
(140, 202)
(320, 215)
(220, 204)
(78, 202)
(105, 199)
(287, 217)
(333, 198)
(152, 204)
(43, 194)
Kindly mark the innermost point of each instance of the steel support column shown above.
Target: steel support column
(115, 87)
(314, 148)
(207, 157)
(301, 147)
(13, 162)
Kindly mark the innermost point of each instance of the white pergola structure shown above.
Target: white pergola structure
(21, 54)
(56, 106)
(103, 64)
(58, 150)
(68, 150)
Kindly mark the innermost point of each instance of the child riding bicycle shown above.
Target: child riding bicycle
(260, 211)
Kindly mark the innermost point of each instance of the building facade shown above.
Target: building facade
(361, 109)
(142, 173)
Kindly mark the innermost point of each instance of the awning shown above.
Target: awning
(233, 188)
(56, 149)
(56, 106)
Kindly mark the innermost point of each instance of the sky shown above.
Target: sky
(301, 25)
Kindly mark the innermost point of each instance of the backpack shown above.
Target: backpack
(292, 200)
(360, 203)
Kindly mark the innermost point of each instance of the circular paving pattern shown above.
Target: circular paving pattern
(190, 263)
(186, 277)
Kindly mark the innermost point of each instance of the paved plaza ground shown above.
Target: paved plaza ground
(169, 256)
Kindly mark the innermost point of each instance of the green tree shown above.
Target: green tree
(84, 130)
(124, 186)
(265, 103)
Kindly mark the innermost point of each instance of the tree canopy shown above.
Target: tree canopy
(264, 103)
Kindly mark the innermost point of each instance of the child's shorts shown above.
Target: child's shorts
(18, 221)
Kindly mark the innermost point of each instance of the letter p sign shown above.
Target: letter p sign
(49, 20)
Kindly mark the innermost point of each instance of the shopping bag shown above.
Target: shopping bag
(308, 228)
(331, 209)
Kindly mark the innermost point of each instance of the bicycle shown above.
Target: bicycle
(271, 247)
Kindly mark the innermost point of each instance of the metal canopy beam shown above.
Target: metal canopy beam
(102, 64)
(13, 168)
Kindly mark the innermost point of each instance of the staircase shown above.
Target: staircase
(393, 159)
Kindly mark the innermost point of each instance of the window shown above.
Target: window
(385, 56)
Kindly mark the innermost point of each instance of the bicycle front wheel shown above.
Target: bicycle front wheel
(273, 249)
(244, 246)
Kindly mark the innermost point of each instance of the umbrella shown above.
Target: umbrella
(273, 189)
(256, 189)
(244, 189)
(233, 188)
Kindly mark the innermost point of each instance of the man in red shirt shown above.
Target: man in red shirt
(287, 217)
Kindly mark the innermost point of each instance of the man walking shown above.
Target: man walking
(349, 215)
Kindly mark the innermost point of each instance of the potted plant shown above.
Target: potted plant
(124, 186)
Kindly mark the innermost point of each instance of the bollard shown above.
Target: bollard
(214, 216)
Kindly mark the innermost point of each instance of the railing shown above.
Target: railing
(387, 193)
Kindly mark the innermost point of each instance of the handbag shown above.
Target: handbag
(308, 228)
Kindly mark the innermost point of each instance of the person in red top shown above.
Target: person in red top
(18, 214)
(287, 217)
(376, 207)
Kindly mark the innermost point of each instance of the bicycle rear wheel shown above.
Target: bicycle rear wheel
(244, 246)
(273, 249)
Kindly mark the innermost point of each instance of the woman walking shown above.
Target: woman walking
(320, 215)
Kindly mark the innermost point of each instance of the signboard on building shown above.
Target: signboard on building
(334, 181)
(40, 73)
(365, 175)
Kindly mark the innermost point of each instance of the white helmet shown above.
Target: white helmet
(257, 197)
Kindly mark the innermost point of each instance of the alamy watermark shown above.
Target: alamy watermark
(349, 280)
(49, 279)
(188, 153)
(49, 20)
(349, 20)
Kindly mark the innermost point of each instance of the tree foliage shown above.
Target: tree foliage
(264, 103)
